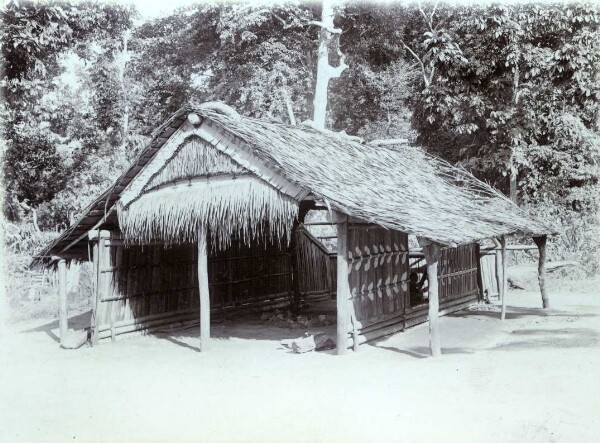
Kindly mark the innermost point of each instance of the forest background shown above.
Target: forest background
(510, 92)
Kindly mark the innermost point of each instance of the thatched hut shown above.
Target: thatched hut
(209, 218)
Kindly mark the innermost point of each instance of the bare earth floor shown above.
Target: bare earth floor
(532, 378)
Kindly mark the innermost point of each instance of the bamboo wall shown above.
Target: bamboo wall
(317, 267)
(378, 280)
(152, 286)
(458, 279)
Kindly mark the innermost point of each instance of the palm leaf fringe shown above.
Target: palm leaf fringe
(244, 208)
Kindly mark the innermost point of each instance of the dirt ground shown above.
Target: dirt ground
(532, 378)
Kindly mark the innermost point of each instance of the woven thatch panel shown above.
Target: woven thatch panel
(195, 157)
(378, 260)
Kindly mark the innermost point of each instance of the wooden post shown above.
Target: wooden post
(203, 290)
(541, 244)
(477, 253)
(504, 284)
(343, 287)
(93, 237)
(62, 300)
(295, 274)
(431, 250)
(498, 263)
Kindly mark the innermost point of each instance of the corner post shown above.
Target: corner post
(62, 300)
(343, 287)
(477, 253)
(432, 256)
(541, 244)
(498, 263)
(203, 290)
(94, 239)
(504, 282)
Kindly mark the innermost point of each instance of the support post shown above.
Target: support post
(541, 244)
(62, 299)
(343, 287)
(94, 238)
(498, 263)
(203, 290)
(431, 250)
(504, 283)
(477, 253)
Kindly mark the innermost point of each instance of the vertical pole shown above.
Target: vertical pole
(294, 268)
(203, 290)
(541, 244)
(477, 252)
(432, 255)
(62, 299)
(94, 238)
(504, 283)
(343, 288)
(498, 263)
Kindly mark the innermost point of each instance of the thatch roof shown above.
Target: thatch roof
(398, 187)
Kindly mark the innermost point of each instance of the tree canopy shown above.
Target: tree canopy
(511, 92)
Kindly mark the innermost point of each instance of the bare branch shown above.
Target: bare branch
(433, 12)
(324, 26)
(418, 59)
(285, 24)
(428, 20)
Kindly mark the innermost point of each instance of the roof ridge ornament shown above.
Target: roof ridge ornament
(220, 108)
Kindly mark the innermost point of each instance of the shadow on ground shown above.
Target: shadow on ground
(237, 330)
(561, 338)
(423, 351)
(516, 313)
(76, 322)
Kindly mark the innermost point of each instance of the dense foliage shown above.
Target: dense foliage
(511, 92)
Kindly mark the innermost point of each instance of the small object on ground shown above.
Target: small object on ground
(323, 342)
(318, 342)
(514, 284)
(301, 344)
(74, 339)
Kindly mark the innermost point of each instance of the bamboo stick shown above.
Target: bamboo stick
(203, 289)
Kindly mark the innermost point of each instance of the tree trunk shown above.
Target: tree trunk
(504, 284)
(325, 71)
(541, 244)
(513, 185)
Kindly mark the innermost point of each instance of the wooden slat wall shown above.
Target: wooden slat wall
(457, 273)
(378, 260)
(316, 267)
